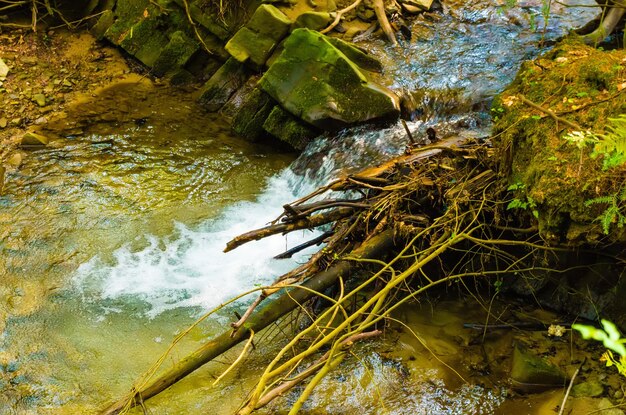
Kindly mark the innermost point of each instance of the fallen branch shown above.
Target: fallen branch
(379, 9)
(338, 16)
(304, 223)
(290, 252)
(286, 303)
(550, 113)
(314, 367)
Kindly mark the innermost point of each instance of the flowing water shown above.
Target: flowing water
(112, 236)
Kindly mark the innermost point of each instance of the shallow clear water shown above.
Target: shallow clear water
(111, 237)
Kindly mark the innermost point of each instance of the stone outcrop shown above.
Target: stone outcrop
(161, 36)
(312, 82)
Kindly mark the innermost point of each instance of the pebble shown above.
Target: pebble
(618, 395)
(40, 99)
(15, 160)
(3, 122)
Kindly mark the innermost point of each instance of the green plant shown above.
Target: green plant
(525, 202)
(613, 213)
(612, 144)
(611, 339)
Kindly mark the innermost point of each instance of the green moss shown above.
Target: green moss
(315, 81)
(579, 83)
(249, 120)
(287, 128)
(175, 55)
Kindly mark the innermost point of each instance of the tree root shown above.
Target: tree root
(608, 23)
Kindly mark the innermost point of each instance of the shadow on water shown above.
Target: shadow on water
(111, 237)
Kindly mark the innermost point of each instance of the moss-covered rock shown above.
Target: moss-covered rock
(552, 177)
(313, 20)
(532, 373)
(255, 42)
(106, 20)
(176, 54)
(223, 84)
(317, 82)
(287, 128)
(248, 121)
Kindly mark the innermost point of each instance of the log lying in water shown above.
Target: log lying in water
(375, 247)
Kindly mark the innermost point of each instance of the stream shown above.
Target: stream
(112, 237)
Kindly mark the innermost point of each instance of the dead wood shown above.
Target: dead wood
(303, 223)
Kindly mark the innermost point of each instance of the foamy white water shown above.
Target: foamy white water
(189, 268)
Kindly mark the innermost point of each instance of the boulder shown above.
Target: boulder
(254, 43)
(317, 82)
(423, 5)
(361, 58)
(288, 128)
(223, 84)
(106, 20)
(590, 388)
(144, 40)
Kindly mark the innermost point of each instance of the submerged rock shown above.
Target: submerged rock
(317, 82)
(531, 373)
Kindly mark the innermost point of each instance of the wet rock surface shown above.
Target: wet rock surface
(316, 82)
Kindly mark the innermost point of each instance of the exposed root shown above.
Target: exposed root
(611, 16)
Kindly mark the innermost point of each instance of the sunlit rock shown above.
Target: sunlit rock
(318, 83)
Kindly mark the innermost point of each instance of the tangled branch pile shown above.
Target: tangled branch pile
(437, 213)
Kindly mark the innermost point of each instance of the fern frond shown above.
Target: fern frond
(602, 199)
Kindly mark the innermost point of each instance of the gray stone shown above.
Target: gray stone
(106, 20)
(175, 55)
(255, 42)
(40, 99)
(423, 5)
(316, 82)
(4, 70)
(589, 388)
(313, 20)
(250, 47)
